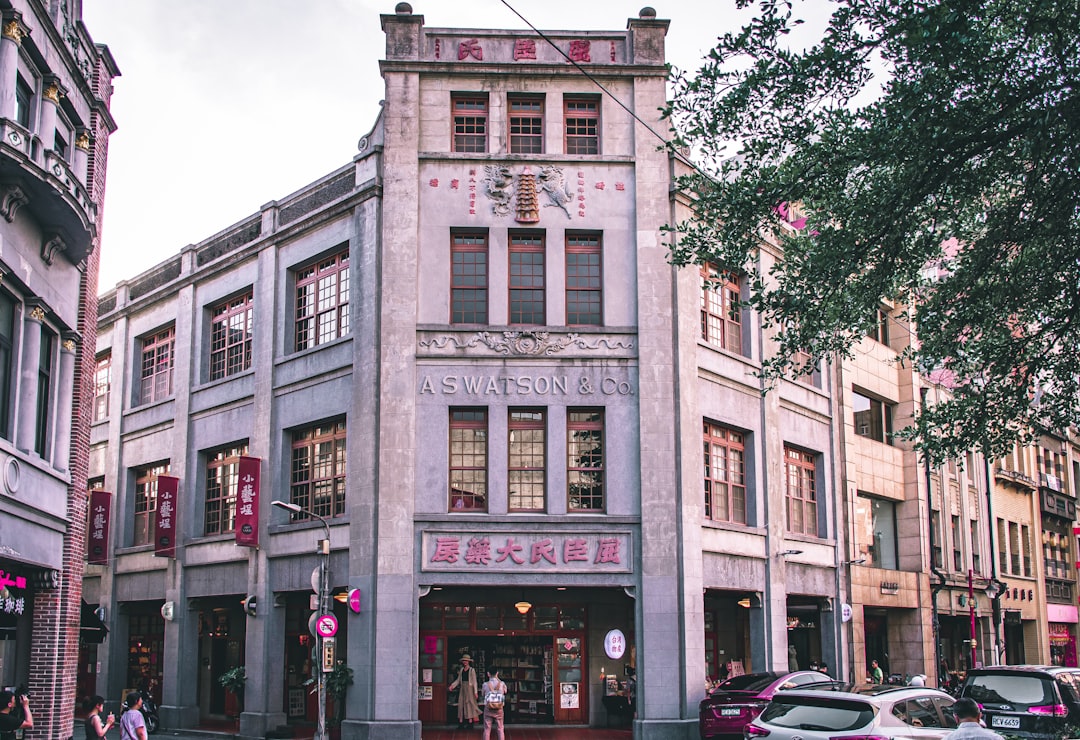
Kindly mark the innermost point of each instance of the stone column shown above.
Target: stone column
(26, 414)
(12, 32)
(64, 394)
(82, 155)
(52, 91)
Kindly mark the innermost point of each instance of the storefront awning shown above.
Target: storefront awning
(92, 629)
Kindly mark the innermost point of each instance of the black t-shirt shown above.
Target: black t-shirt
(8, 724)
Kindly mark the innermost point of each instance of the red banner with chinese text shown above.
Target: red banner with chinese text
(247, 502)
(165, 521)
(97, 534)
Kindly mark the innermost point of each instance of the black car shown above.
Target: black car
(1028, 701)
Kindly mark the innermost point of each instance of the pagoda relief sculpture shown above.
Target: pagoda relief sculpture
(526, 192)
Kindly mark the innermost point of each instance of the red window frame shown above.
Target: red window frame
(581, 117)
(800, 492)
(322, 301)
(156, 377)
(470, 130)
(526, 267)
(527, 459)
(585, 459)
(469, 277)
(145, 504)
(317, 472)
(725, 474)
(721, 311)
(468, 477)
(525, 124)
(102, 385)
(222, 483)
(230, 336)
(584, 280)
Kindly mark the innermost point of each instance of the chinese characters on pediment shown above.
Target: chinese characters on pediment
(526, 551)
(567, 51)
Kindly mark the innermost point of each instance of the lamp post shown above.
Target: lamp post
(324, 606)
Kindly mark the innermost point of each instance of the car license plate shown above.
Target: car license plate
(730, 711)
(1009, 723)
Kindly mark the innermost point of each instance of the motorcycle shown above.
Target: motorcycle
(149, 712)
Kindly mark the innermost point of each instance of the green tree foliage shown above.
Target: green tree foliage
(916, 134)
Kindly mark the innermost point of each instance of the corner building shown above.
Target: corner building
(468, 353)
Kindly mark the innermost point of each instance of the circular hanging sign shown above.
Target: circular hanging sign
(845, 612)
(614, 644)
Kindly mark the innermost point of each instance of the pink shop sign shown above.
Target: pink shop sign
(527, 552)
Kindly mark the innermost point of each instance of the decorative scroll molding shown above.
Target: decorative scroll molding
(525, 343)
(51, 246)
(12, 199)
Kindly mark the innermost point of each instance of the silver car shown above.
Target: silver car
(864, 713)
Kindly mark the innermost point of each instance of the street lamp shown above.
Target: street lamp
(324, 605)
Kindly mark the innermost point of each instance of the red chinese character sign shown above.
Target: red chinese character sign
(165, 520)
(97, 535)
(588, 552)
(247, 502)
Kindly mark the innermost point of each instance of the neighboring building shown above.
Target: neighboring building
(55, 87)
(468, 352)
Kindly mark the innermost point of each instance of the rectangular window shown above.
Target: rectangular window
(8, 310)
(582, 116)
(584, 286)
(585, 459)
(976, 563)
(1025, 545)
(46, 354)
(322, 301)
(528, 460)
(1014, 549)
(877, 517)
(102, 385)
(24, 98)
(873, 418)
(146, 502)
(222, 471)
(1002, 546)
(526, 278)
(800, 491)
(879, 332)
(469, 278)
(468, 460)
(725, 474)
(936, 538)
(799, 362)
(957, 553)
(470, 123)
(157, 366)
(318, 470)
(526, 124)
(230, 337)
(721, 313)
(60, 146)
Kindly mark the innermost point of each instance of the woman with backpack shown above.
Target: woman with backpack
(494, 693)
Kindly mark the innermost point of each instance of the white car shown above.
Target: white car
(899, 712)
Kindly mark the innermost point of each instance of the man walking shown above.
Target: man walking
(132, 724)
(968, 715)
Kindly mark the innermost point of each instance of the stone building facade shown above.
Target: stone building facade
(55, 88)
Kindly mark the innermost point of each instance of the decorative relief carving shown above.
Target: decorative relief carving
(553, 184)
(37, 313)
(525, 343)
(528, 208)
(52, 93)
(15, 30)
(11, 200)
(83, 141)
(69, 345)
(499, 186)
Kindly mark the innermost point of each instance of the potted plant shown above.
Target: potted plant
(233, 681)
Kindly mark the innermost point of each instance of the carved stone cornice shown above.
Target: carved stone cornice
(525, 343)
(12, 198)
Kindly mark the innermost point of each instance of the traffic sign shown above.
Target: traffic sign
(326, 625)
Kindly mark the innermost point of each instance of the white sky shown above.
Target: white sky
(225, 105)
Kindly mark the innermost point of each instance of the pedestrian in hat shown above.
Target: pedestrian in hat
(468, 710)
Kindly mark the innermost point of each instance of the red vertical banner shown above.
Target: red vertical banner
(247, 502)
(97, 534)
(165, 521)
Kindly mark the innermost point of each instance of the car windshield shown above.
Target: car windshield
(1017, 690)
(746, 682)
(818, 714)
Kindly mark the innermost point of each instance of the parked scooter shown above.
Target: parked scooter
(149, 712)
